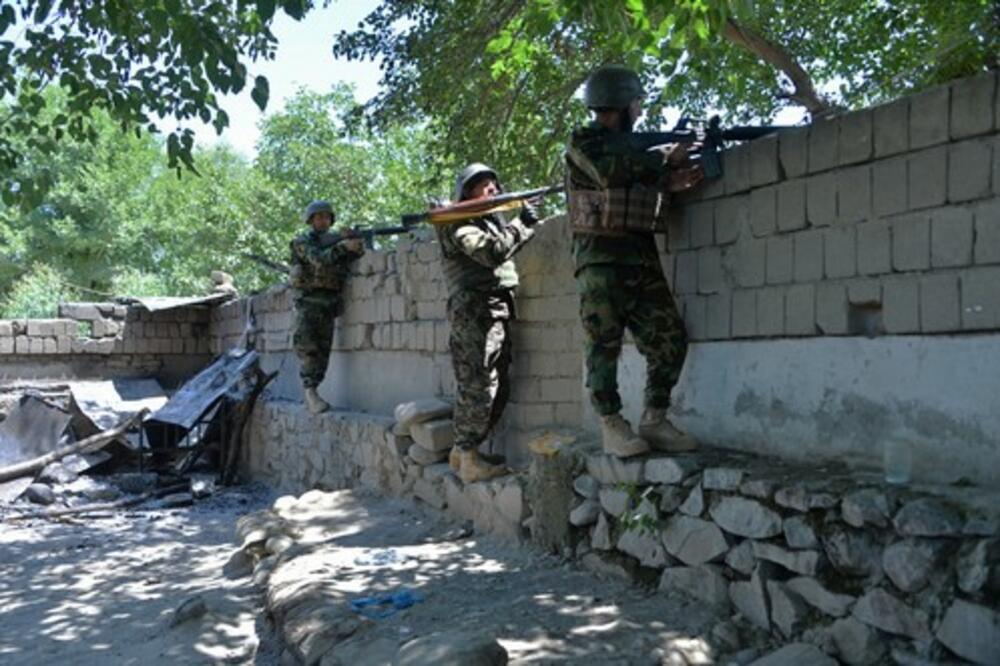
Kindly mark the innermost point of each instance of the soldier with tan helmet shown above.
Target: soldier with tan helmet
(481, 278)
(319, 267)
(617, 201)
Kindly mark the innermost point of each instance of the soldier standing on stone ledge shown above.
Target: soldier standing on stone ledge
(617, 200)
(481, 278)
(319, 268)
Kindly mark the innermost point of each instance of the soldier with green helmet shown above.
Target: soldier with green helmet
(319, 267)
(617, 200)
(481, 279)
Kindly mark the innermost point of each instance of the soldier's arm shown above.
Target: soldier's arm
(618, 167)
(316, 256)
(492, 249)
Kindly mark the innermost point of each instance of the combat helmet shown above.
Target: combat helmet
(470, 173)
(611, 87)
(314, 207)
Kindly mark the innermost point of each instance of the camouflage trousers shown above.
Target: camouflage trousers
(480, 355)
(312, 337)
(613, 298)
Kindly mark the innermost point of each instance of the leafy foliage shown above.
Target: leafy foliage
(37, 294)
(498, 85)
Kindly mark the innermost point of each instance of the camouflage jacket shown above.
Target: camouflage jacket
(597, 172)
(317, 264)
(477, 254)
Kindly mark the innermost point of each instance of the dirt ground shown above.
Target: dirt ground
(103, 590)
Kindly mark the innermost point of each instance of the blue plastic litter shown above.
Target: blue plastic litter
(385, 605)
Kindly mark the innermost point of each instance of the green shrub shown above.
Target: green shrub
(36, 294)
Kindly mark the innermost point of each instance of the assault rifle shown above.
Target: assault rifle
(708, 142)
(466, 210)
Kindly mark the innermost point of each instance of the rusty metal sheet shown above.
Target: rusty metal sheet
(103, 404)
(32, 429)
(159, 303)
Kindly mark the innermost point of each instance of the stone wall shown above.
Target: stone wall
(105, 341)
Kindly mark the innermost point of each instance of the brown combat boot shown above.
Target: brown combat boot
(316, 404)
(472, 467)
(619, 440)
(663, 435)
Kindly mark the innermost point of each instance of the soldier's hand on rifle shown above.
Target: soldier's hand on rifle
(529, 212)
(676, 154)
(353, 242)
(682, 180)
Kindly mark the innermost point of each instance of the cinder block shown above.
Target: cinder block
(855, 137)
(36, 345)
(6, 345)
(831, 308)
(939, 303)
(744, 321)
(808, 260)
(764, 161)
(731, 215)
(22, 344)
(710, 277)
(559, 389)
(800, 310)
(901, 305)
(696, 317)
(6, 328)
(929, 117)
(569, 413)
(736, 177)
(821, 199)
(718, 311)
(792, 205)
(779, 259)
(864, 292)
(980, 299)
(686, 280)
(749, 257)
(678, 230)
(854, 194)
(874, 248)
(793, 152)
(763, 210)
(951, 237)
(839, 252)
(771, 311)
(892, 127)
(823, 138)
(701, 218)
(927, 173)
(972, 105)
(41, 327)
(987, 217)
(911, 243)
(889, 187)
(969, 169)
(64, 344)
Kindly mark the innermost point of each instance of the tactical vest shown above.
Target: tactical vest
(463, 273)
(613, 211)
(304, 275)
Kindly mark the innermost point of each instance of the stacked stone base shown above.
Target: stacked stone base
(820, 555)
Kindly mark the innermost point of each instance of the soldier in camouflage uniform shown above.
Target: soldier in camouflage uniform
(481, 279)
(319, 268)
(617, 200)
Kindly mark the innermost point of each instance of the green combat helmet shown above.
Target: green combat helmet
(470, 173)
(316, 207)
(611, 87)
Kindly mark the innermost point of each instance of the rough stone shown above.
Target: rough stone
(425, 457)
(585, 514)
(694, 541)
(609, 565)
(746, 518)
(976, 563)
(39, 493)
(452, 648)
(750, 598)
(795, 654)
(419, 411)
(759, 488)
(928, 517)
(971, 631)
(609, 469)
(857, 644)
(437, 435)
(705, 583)
(644, 545)
(814, 594)
(801, 498)
(881, 610)
(600, 539)
(866, 507)
(671, 498)
(806, 562)
(799, 533)
(694, 505)
(586, 486)
(614, 501)
(788, 611)
(58, 473)
(722, 478)
(740, 557)
(431, 493)
(853, 552)
(909, 563)
(669, 470)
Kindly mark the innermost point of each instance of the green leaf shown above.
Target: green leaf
(260, 92)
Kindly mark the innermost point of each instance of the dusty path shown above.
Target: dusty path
(103, 591)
